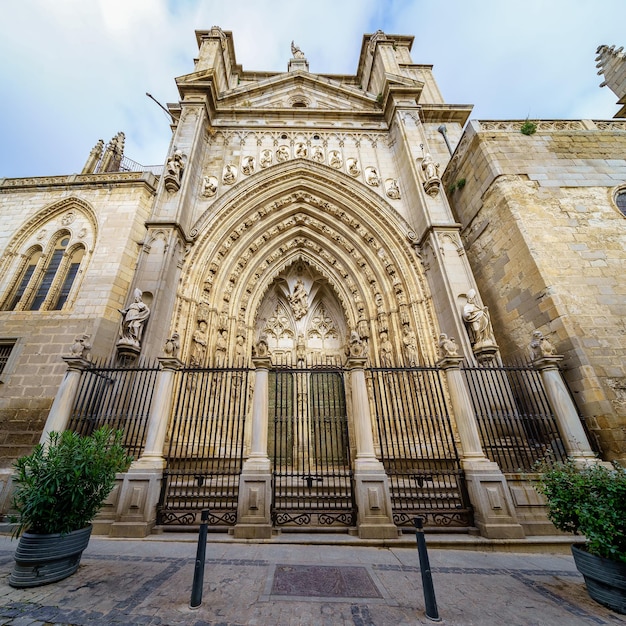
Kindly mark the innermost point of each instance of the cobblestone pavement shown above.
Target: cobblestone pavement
(149, 581)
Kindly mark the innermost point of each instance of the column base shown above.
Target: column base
(253, 509)
(494, 512)
(374, 519)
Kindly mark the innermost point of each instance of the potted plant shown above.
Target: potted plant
(591, 500)
(60, 488)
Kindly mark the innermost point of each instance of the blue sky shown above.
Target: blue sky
(75, 71)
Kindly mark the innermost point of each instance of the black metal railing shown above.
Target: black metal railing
(204, 453)
(515, 421)
(118, 397)
(417, 447)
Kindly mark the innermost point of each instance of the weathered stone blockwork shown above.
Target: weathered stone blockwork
(548, 248)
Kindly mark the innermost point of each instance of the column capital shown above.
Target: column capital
(450, 362)
(262, 362)
(356, 362)
(550, 362)
(76, 363)
(170, 363)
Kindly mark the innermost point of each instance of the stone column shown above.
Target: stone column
(571, 430)
(375, 517)
(255, 484)
(494, 511)
(61, 409)
(134, 500)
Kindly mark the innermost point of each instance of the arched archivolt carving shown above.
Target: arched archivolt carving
(309, 213)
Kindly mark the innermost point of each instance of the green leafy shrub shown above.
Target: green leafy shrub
(528, 128)
(62, 485)
(589, 500)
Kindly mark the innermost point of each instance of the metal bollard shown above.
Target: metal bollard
(198, 574)
(430, 601)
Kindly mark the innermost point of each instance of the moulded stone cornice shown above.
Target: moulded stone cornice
(81, 180)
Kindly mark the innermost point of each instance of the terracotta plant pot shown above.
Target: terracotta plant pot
(43, 559)
(605, 579)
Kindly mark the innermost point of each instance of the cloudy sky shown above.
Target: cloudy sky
(75, 71)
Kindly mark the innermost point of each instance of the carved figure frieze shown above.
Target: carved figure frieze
(282, 154)
(133, 321)
(209, 186)
(335, 159)
(248, 165)
(229, 174)
(371, 176)
(540, 346)
(266, 158)
(353, 166)
(391, 189)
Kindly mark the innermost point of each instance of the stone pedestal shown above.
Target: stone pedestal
(494, 512)
(375, 518)
(255, 484)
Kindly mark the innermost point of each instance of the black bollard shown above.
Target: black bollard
(198, 573)
(430, 601)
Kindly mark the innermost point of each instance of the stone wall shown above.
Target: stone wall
(548, 248)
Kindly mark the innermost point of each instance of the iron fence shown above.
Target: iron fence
(417, 447)
(515, 422)
(118, 397)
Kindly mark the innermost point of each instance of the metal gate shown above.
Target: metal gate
(205, 451)
(418, 449)
(308, 445)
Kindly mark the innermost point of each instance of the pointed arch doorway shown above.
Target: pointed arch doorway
(308, 440)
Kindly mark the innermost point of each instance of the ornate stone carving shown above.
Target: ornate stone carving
(299, 300)
(410, 347)
(296, 53)
(371, 176)
(248, 165)
(133, 322)
(447, 346)
(353, 167)
(278, 325)
(209, 186)
(221, 345)
(282, 154)
(335, 159)
(391, 189)
(261, 349)
(267, 158)
(356, 346)
(301, 151)
(68, 218)
(478, 323)
(300, 349)
(540, 346)
(317, 154)
(430, 170)
(81, 347)
(174, 169)
(199, 343)
(172, 345)
(229, 174)
(385, 350)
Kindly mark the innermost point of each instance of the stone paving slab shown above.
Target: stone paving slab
(124, 581)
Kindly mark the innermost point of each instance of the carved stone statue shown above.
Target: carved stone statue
(221, 343)
(229, 174)
(174, 169)
(266, 158)
(133, 321)
(81, 347)
(172, 345)
(371, 176)
(478, 323)
(432, 181)
(301, 150)
(334, 159)
(447, 346)
(354, 169)
(410, 347)
(300, 349)
(261, 349)
(385, 351)
(247, 165)
(240, 349)
(540, 346)
(282, 153)
(391, 188)
(317, 154)
(198, 348)
(209, 186)
(299, 300)
(356, 347)
(296, 53)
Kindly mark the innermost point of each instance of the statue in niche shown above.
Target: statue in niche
(478, 324)
(133, 321)
(410, 347)
(282, 153)
(175, 165)
(447, 346)
(198, 348)
(240, 349)
(317, 154)
(540, 346)
(248, 165)
(221, 344)
(391, 188)
(354, 169)
(296, 53)
(299, 300)
(209, 186)
(334, 159)
(300, 350)
(430, 168)
(371, 176)
(385, 350)
(229, 174)
(266, 158)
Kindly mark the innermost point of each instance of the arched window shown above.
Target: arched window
(28, 269)
(620, 201)
(74, 259)
(50, 273)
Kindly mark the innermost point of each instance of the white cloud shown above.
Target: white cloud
(74, 71)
